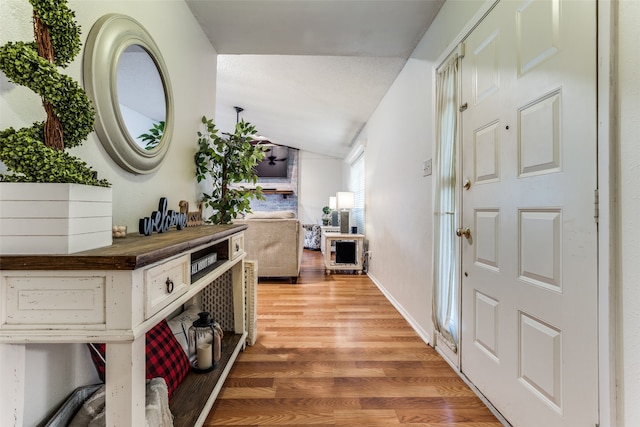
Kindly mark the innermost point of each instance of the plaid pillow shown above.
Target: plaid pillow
(164, 356)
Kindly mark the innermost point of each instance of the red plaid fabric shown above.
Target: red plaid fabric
(164, 356)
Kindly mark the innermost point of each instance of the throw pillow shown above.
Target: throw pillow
(164, 357)
(180, 325)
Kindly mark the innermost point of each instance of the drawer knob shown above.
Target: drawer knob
(237, 247)
(169, 283)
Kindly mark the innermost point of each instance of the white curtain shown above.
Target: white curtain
(446, 286)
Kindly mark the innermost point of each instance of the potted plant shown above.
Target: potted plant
(36, 154)
(225, 160)
(326, 215)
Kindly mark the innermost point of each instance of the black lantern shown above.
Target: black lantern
(204, 343)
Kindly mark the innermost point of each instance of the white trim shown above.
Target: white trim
(457, 53)
(356, 151)
(424, 335)
(473, 388)
(464, 33)
(415, 325)
(608, 268)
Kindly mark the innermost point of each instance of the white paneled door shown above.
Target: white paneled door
(529, 259)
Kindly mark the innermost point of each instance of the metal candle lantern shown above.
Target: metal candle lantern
(204, 343)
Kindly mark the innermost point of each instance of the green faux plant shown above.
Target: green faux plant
(228, 159)
(36, 153)
(326, 215)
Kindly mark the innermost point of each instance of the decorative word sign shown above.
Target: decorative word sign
(194, 218)
(162, 219)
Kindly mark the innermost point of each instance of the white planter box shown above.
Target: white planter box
(53, 218)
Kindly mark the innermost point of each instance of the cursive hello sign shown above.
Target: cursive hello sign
(162, 220)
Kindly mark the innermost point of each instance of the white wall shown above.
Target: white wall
(54, 371)
(629, 204)
(398, 198)
(320, 178)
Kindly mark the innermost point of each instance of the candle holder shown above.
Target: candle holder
(204, 343)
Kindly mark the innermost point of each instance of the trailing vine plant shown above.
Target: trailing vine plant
(227, 160)
(36, 153)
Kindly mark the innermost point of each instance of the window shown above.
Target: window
(356, 184)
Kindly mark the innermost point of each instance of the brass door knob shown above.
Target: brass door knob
(466, 232)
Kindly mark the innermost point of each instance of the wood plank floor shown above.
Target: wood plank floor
(332, 351)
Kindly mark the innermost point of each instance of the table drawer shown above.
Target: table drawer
(164, 283)
(36, 301)
(237, 245)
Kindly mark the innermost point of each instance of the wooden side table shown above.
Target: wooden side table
(324, 230)
(348, 253)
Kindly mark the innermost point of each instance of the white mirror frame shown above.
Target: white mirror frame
(107, 40)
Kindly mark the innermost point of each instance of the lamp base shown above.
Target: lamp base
(344, 222)
(335, 220)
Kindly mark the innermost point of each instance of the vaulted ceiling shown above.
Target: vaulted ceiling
(309, 73)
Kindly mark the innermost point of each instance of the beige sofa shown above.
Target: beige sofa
(275, 240)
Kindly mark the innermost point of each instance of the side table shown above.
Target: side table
(324, 230)
(348, 253)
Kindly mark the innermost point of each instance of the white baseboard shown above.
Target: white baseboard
(426, 337)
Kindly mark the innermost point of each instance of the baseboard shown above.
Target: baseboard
(478, 393)
(426, 337)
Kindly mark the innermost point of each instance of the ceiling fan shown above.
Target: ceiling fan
(271, 157)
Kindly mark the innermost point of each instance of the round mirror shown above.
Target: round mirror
(127, 80)
(141, 97)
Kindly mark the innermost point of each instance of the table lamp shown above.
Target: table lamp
(335, 220)
(345, 200)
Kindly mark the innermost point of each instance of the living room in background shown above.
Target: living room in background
(280, 193)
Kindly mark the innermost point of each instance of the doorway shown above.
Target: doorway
(527, 236)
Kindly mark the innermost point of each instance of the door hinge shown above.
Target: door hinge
(596, 207)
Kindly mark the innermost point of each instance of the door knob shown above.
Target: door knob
(466, 232)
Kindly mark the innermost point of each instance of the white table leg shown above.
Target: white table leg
(125, 379)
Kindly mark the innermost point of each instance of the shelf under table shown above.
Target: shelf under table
(193, 399)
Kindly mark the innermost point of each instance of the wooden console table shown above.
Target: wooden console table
(115, 295)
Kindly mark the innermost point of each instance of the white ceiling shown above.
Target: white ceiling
(309, 73)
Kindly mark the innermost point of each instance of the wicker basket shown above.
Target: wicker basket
(251, 300)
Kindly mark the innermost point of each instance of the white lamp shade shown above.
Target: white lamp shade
(345, 200)
(332, 203)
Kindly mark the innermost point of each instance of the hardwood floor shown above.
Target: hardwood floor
(332, 351)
